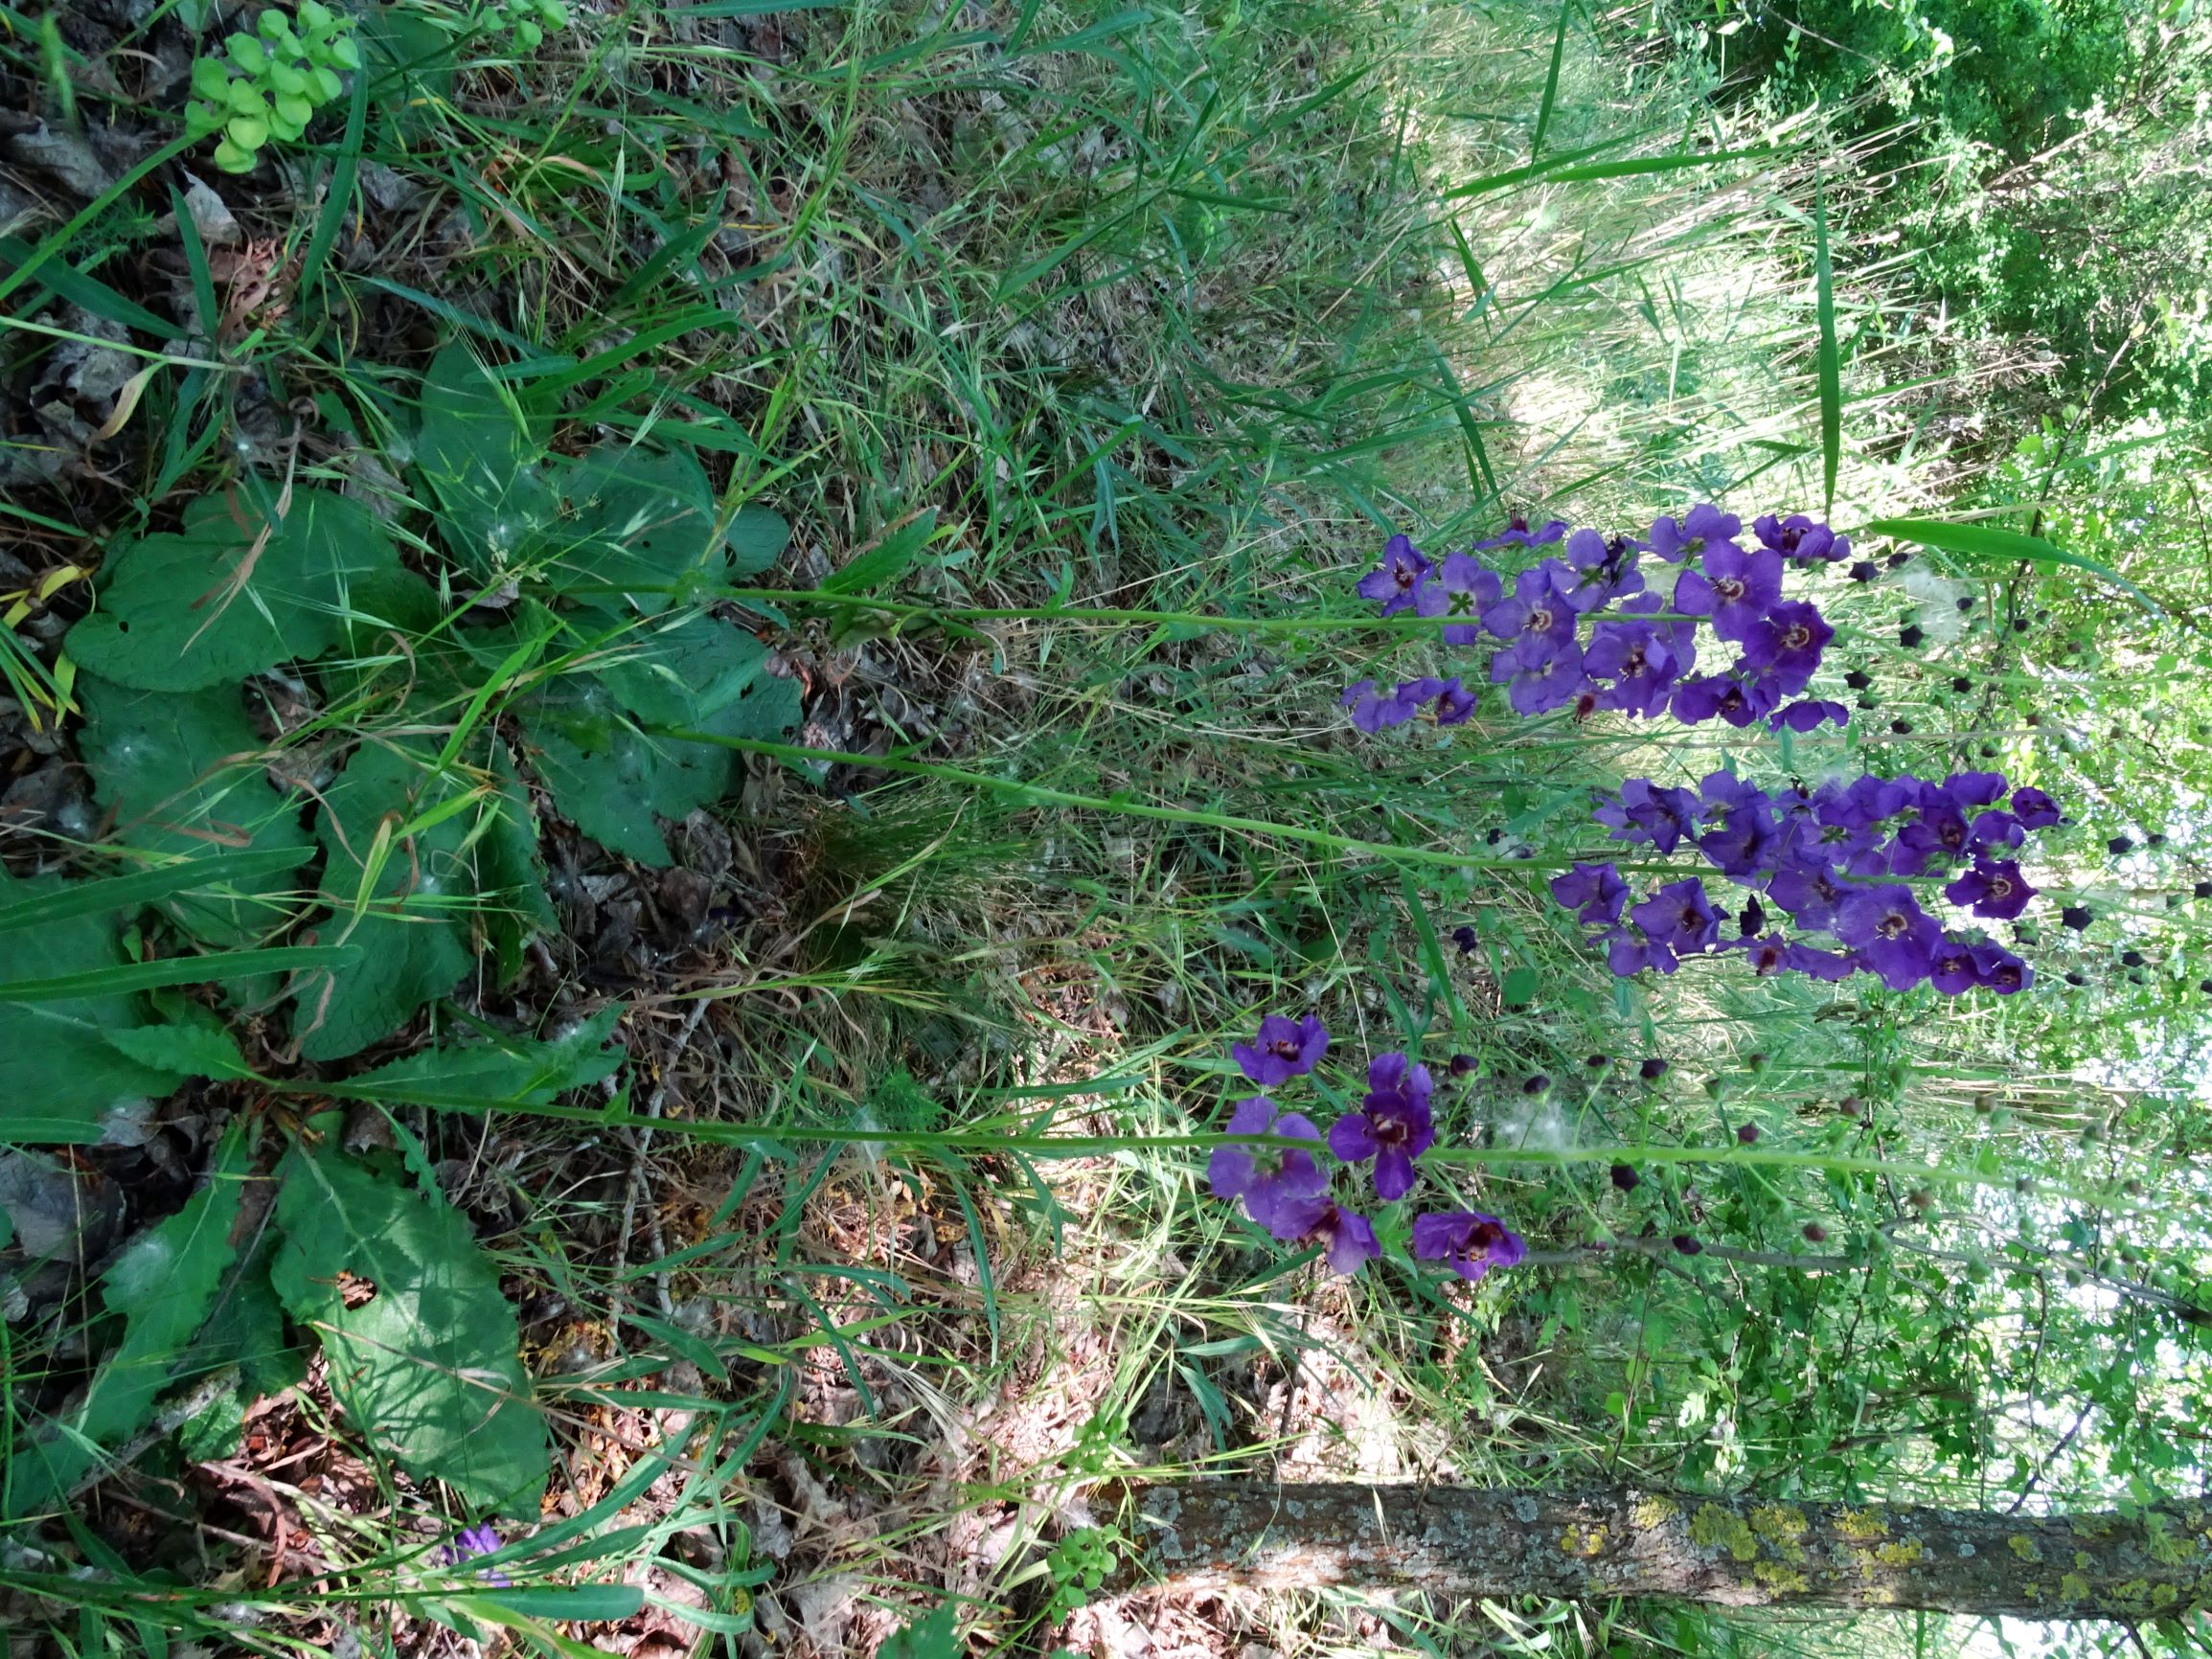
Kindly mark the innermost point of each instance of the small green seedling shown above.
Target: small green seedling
(529, 21)
(269, 83)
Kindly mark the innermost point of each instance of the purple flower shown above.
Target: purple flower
(1809, 892)
(1537, 619)
(1455, 703)
(1953, 969)
(1320, 1220)
(1995, 831)
(1868, 801)
(1594, 892)
(1735, 588)
(1266, 1178)
(470, 1544)
(1745, 844)
(1468, 1241)
(2037, 811)
(1993, 887)
(1733, 700)
(1895, 938)
(1516, 534)
(1967, 790)
(1808, 715)
(1702, 529)
(1679, 917)
(1787, 643)
(1825, 965)
(1468, 589)
(2001, 971)
(1553, 686)
(1806, 540)
(1939, 832)
(1285, 1049)
(1639, 660)
(1393, 1125)
(1628, 953)
(1662, 817)
(1374, 711)
(1396, 583)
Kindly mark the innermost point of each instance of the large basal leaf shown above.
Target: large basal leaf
(60, 1078)
(162, 1286)
(685, 673)
(205, 607)
(413, 930)
(511, 904)
(515, 1071)
(421, 1346)
(182, 773)
(610, 780)
(638, 533)
(480, 457)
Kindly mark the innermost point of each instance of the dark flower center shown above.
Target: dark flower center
(2006, 976)
(2001, 887)
(1585, 705)
(1791, 535)
(1729, 588)
(1285, 1048)
(1540, 618)
(1798, 637)
(1894, 926)
(1486, 1237)
(1693, 544)
(1392, 1131)
(1407, 577)
(1952, 834)
(1635, 664)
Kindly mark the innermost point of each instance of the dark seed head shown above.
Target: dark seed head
(1686, 1244)
(2205, 986)
(1965, 603)
(1652, 1070)
(2131, 959)
(2076, 916)
(1858, 680)
(2076, 979)
(2119, 845)
(1463, 936)
(2155, 839)
(1816, 1233)
(1536, 1085)
(1960, 682)
(1747, 1133)
(1462, 1064)
(2204, 890)
(1494, 837)
(1899, 560)
(1626, 1178)
(1910, 635)
(1903, 728)
(1598, 1063)
(1864, 571)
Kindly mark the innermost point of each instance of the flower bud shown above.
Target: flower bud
(1686, 1244)
(1816, 1233)
(1626, 1178)
(1747, 1133)
(1652, 1070)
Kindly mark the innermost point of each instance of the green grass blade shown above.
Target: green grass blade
(341, 190)
(1830, 360)
(1551, 84)
(1993, 546)
(144, 886)
(179, 970)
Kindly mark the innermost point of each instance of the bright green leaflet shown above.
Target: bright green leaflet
(414, 933)
(58, 1075)
(172, 619)
(162, 1286)
(181, 773)
(480, 458)
(933, 1637)
(609, 778)
(427, 1367)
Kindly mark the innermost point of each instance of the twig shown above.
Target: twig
(640, 1146)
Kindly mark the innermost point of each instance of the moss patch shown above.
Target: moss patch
(1713, 1528)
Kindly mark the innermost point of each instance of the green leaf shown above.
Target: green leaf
(162, 1286)
(479, 455)
(60, 1077)
(426, 1366)
(246, 1327)
(514, 1072)
(408, 914)
(887, 560)
(199, 608)
(182, 773)
(682, 675)
(609, 778)
(640, 527)
(757, 538)
(1519, 988)
(595, 1603)
(1991, 545)
(935, 1637)
(190, 1050)
(512, 900)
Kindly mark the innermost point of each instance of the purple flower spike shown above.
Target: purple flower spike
(1285, 1049)
(1993, 887)
(1627, 953)
(1952, 969)
(1468, 1241)
(1808, 715)
(1679, 917)
(1805, 540)
(1266, 1178)
(2036, 809)
(1396, 584)
(1703, 528)
(1376, 710)
(1393, 1125)
(1349, 1237)
(1890, 929)
(1643, 813)
(1594, 892)
(1788, 644)
(1735, 588)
